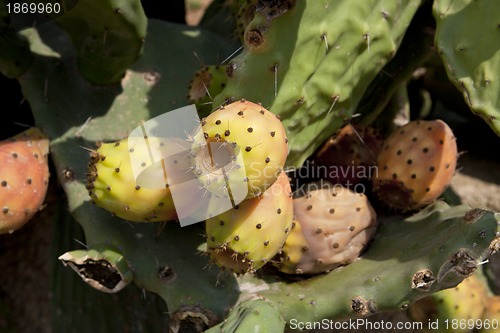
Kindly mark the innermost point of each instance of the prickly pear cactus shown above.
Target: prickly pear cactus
(457, 310)
(290, 60)
(248, 236)
(242, 128)
(310, 72)
(471, 55)
(332, 226)
(24, 177)
(416, 164)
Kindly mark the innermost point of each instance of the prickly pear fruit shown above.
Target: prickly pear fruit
(491, 317)
(112, 186)
(416, 164)
(349, 156)
(207, 83)
(24, 176)
(333, 225)
(245, 238)
(250, 130)
(463, 305)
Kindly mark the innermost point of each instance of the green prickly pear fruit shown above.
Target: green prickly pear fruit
(350, 156)
(112, 186)
(24, 176)
(247, 237)
(207, 83)
(416, 164)
(491, 317)
(249, 130)
(332, 227)
(456, 310)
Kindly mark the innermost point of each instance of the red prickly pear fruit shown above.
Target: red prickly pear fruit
(24, 177)
(332, 226)
(349, 156)
(416, 164)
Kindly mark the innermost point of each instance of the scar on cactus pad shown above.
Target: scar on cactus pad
(332, 227)
(112, 185)
(24, 177)
(247, 237)
(416, 164)
(252, 130)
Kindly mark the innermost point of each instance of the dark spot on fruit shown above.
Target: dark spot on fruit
(117, 143)
(259, 226)
(236, 238)
(131, 150)
(425, 150)
(332, 211)
(227, 133)
(127, 207)
(14, 155)
(246, 179)
(250, 130)
(413, 176)
(304, 249)
(143, 164)
(414, 139)
(427, 189)
(29, 181)
(212, 239)
(309, 207)
(385, 167)
(358, 209)
(429, 128)
(409, 162)
(117, 170)
(278, 211)
(236, 207)
(268, 160)
(240, 113)
(386, 147)
(36, 155)
(447, 165)
(273, 134)
(205, 135)
(217, 122)
(217, 136)
(319, 230)
(351, 228)
(286, 140)
(399, 152)
(402, 132)
(266, 243)
(137, 187)
(248, 148)
(394, 176)
(221, 223)
(441, 142)
(319, 261)
(431, 169)
(262, 112)
(161, 204)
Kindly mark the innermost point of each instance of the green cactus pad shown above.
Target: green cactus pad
(251, 316)
(102, 268)
(468, 40)
(108, 36)
(313, 73)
